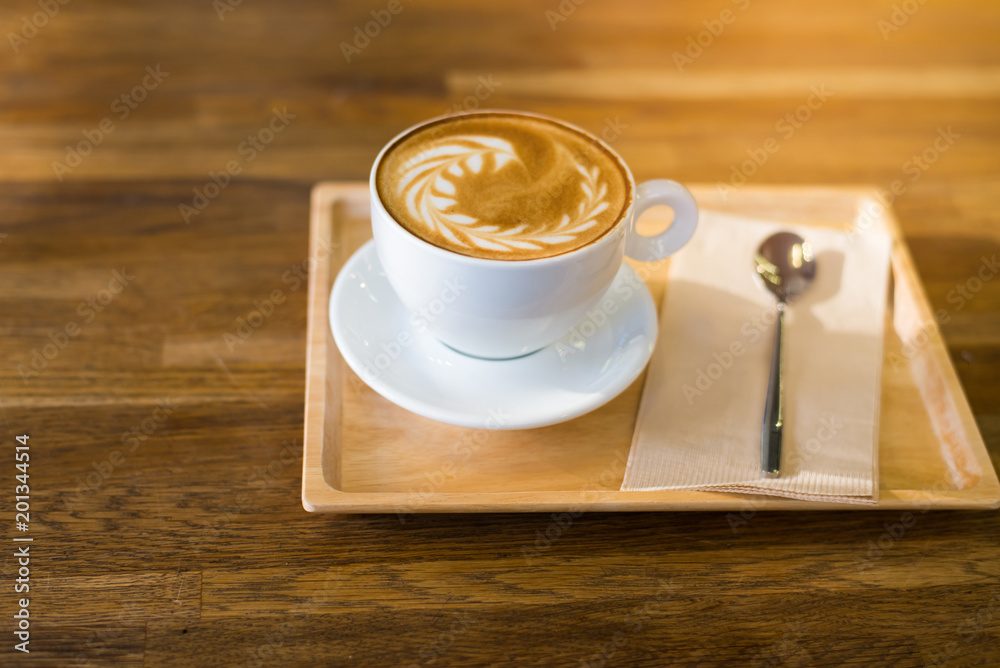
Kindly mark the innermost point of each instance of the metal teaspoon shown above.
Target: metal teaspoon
(786, 264)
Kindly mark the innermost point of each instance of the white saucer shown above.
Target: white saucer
(585, 369)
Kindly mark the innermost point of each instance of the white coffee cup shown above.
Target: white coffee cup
(500, 309)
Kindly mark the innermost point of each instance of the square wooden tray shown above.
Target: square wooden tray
(363, 454)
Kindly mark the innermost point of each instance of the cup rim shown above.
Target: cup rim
(568, 256)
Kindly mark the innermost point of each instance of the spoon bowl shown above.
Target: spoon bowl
(786, 264)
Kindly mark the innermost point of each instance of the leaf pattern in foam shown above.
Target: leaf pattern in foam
(429, 194)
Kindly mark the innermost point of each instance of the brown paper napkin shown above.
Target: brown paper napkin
(699, 422)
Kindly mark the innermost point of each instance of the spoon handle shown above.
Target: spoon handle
(770, 436)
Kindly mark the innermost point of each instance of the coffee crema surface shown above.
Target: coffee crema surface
(503, 186)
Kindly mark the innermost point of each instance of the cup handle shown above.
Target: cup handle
(672, 239)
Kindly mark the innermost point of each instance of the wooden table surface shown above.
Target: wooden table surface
(166, 449)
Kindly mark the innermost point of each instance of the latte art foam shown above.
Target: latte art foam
(503, 186)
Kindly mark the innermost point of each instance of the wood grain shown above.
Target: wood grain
(206, 510)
